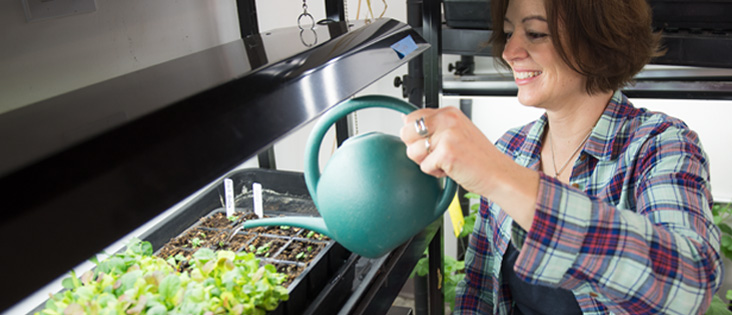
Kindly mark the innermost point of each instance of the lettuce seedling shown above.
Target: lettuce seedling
(135, 282)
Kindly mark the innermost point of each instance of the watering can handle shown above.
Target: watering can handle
(312, 168)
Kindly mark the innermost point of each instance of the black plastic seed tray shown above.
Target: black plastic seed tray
(283, 193)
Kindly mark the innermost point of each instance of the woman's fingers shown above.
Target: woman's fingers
(418, 149)
(417, 125)
(430, 163)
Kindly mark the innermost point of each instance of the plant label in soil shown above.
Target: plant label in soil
(257, 190)
(229, 195)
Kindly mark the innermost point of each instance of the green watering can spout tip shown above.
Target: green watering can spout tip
(309, 223)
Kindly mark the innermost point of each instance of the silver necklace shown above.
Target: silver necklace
(554, 160)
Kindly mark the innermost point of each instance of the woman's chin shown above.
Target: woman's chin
(528, 99)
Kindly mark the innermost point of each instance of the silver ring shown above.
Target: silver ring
(427, 144)
(421, 127)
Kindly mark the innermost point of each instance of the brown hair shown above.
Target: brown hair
(607, 41)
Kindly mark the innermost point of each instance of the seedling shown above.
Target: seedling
(232, 218)
(261, 250)
(134, 282)
(264, 248)
(300, 256)
(196, 242)
(176, 260)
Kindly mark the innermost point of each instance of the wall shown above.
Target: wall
(46, 58)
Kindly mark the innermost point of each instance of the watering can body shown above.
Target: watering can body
(370, 195)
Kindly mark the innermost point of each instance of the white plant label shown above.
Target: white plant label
(229, 196)
(257, 191)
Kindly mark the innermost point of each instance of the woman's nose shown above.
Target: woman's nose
(514, 49)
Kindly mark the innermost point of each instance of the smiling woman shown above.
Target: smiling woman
(595, 207)
(608, 49)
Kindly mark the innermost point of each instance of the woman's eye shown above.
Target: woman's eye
(534, 35)
(508, 35)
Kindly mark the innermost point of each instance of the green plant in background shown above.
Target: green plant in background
(135, 282)
(722, 212)
(453, 275)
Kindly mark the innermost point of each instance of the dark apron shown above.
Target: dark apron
(535, 299)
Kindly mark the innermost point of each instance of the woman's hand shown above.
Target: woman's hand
(453, 146)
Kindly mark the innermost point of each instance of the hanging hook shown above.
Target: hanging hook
(311, 41)
(305, 14)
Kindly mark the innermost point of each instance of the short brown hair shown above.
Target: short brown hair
(607, 41)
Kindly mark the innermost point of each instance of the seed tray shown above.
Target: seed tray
(283, 193)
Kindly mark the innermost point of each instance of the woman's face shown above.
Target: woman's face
(543, 79)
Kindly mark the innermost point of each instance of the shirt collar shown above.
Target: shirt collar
(608, 141)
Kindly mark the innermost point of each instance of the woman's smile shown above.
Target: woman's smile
(525, 77)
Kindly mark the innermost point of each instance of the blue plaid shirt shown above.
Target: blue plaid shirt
(633, 232)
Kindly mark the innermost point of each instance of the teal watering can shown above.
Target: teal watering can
(371, 196)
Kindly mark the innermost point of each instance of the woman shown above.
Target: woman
(596, 207)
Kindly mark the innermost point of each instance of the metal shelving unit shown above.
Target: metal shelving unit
(84, 169)
(705, 52)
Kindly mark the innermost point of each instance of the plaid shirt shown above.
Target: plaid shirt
(633, 233)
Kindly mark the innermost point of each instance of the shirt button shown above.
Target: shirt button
(593, 294)
(583, 157)
(575, 185)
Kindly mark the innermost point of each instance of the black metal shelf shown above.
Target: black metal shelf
(706, 49)
(701, 48)
(82, 170)
(688, 84)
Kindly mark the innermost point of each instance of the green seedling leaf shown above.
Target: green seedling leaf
(68, 283)
(196, 242)
(169, 287)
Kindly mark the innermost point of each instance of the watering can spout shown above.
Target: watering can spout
(309, 223)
